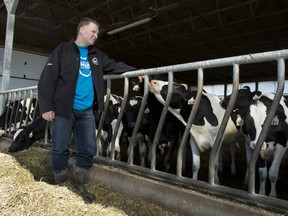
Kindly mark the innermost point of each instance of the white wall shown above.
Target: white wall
(25, 68)
(264, 87)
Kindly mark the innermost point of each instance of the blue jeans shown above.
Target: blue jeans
(82, 125)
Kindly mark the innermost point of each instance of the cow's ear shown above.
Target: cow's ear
(189, 97)
(255, 95)
(281, 116)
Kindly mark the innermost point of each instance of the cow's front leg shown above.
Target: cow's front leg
(262, 175)
(274, 169)
(196, 159)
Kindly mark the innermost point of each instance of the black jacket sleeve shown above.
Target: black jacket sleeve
(110, 66)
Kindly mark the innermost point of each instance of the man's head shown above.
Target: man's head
(87, 32)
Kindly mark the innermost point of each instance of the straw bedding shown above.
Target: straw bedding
(22, 195)
(27, 188)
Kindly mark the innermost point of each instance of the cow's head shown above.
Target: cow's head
(21, 140)
(132, 109)
(244, 98)
(25, 136)
(160, 90)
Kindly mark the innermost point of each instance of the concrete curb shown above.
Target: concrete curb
(179, 200)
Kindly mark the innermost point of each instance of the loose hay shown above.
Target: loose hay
(20, 194)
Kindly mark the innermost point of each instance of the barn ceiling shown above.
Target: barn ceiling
(180, 31)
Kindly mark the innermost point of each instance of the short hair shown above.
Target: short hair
(86, 21)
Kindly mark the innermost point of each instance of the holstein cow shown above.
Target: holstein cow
(206, 123)
(170, 133)
(109, 125)
(253, 111)
(132, 109)
(25, 136)
(18, 111)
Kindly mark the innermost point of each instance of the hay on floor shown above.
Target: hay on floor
(20, 194)
(30, 190)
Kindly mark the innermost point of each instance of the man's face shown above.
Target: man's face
(89, 34)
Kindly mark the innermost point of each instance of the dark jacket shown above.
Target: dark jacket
(57, 83)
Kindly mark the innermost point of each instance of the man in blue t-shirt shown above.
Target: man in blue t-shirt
(70, 86)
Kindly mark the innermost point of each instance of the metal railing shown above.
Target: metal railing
(18, 108)
(200, 68)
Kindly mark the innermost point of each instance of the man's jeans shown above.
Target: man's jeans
(82, 125)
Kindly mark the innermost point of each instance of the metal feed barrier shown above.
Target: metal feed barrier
(199, 67)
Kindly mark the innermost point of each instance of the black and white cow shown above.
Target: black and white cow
(171, 131)
(143, 140)
(109, 126)
(25, 136)
(18, 112)
(206, 123)
(253, 108)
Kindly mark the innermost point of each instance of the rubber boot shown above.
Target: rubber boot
(78, 179)
(61, 176)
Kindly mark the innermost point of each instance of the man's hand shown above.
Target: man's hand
(140, 78)
(49, 116)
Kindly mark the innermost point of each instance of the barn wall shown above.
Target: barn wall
(25, 68)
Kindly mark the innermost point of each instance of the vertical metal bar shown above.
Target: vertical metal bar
(8, 103)
(191, 118)
(138, 121)
(22, 113)
(214, 155)
(161, 121)
(16, 111)
(9, 35)
(119, 119)
(35, 110)
(29, 106)
(102, 119)
(12, 110)
(267, 123)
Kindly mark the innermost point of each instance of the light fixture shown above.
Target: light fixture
(131, 25)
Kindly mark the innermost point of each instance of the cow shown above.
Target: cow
(18, 112)
(170, 133)
(109, 125)
(131, 112)
(253, 107)
(25, 136)
(206, 123)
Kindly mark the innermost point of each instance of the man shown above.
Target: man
(70, 86)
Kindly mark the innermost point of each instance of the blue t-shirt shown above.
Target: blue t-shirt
(84, 94)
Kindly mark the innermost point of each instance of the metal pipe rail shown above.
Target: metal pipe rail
(214, 155)
(236, 62)
(138, 120)
(9, 99)
(191, 118)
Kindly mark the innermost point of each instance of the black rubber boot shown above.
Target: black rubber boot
(78, 179)
(61, 176)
